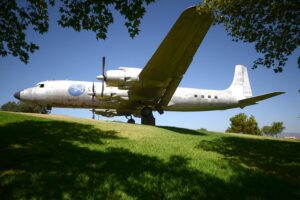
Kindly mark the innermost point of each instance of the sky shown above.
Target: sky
(67, 54)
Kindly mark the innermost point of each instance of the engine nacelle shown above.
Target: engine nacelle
(112, 93)
(124, 76)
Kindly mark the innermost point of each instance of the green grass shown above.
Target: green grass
(57, 157)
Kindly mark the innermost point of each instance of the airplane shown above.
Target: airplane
(139, 92)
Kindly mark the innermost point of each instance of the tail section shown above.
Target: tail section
(240, 86)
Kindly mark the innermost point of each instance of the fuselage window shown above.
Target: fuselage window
(202, 96)
(42, 85)
(209, 96)
(216, 97)
(195, 96)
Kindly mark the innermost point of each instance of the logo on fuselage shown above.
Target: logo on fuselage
(76, 90)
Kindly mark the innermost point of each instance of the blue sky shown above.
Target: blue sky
(66, 54)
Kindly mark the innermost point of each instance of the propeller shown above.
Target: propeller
(103, 74)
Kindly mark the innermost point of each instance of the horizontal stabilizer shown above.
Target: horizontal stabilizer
(253, 100)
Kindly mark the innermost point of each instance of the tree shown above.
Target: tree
(251, 126)
(274, 27)
(275, 129)
(24, 107)
(240, 123)
(10, 106)
(16, 17)
(266, 130)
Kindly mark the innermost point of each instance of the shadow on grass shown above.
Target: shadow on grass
(38, 161)
(184, 131)
(276, 158)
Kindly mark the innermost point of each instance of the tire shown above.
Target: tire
(146, 112)
(148, 121)
(131, 121)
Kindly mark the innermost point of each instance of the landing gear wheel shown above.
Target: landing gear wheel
(147, 116)
(131, 121)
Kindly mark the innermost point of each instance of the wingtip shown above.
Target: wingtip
(199, 9)
(279, 93)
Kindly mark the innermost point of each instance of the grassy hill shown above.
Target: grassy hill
(57, 157)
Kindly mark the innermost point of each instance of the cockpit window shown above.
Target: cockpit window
(41, 85)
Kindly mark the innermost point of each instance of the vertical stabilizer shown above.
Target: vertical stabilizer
(240, 86)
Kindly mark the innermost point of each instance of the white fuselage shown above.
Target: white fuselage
(61, 94)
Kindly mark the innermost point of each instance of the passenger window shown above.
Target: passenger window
(202, 96)
(209, 96)
(195, 96)
(216, 97)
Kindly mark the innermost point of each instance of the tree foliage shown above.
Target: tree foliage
(275, 129)
(24, 107)
(240, 123)
(10, 106)
(273, 26)
(16, 17)
(251, 126)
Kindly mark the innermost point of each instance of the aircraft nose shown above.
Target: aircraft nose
(17, 95)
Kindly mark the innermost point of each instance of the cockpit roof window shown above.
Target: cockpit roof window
(40, 85)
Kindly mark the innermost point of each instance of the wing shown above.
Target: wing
(164, 71)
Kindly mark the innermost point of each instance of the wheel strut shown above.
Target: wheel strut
(147, 116)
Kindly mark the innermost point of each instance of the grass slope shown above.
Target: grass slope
(57, 157)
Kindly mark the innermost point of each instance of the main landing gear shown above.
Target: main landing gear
(147, 116)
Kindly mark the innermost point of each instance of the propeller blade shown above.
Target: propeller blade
(93, 90)
(102, 90)
(103, 68)
(93, 117)
(103, 74)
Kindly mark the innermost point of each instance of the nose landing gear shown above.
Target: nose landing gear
(130, 120)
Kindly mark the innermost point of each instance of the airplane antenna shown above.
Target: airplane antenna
(103, 74)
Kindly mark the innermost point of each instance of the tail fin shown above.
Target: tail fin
(240, 86)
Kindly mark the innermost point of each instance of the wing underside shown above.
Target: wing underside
(164, 71)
